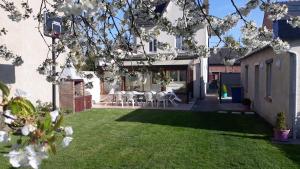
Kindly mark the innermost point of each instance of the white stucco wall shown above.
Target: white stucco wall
(95, 91)
(24, 39)
(280, 84)
(172, 13)
(295, 47)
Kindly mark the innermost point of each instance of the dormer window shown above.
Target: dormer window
(180, 43)
(153, 45)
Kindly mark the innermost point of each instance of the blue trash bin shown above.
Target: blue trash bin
(236, 94)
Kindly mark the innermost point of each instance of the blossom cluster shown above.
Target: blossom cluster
(38, 132)
(294, 21)
(37, 149)
(9, 55)
(111, 31)
(276, 11)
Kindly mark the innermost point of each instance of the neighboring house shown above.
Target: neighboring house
(24, 39)
(187, 73)
(217, 63)
(272, 81)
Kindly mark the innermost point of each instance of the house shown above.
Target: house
(272, 81)
(187, 73)
(24, 39)
(217, 64)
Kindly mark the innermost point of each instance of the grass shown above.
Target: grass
(159, 139)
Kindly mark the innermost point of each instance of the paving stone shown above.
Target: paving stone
(249, 113)
(224, 112)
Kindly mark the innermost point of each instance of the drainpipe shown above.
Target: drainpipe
(293, 108)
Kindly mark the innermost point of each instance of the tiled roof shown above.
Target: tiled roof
(294, 10)
(294, 7)
(223, 53)
(160, 8)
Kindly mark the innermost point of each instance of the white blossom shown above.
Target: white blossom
(27, 129)
(4, 137)
(66, 141)
(295, 21)
(276, 11)
(17, 158)
(229, 62)
(35, 155)
(31, 156)
(21, 93)
(7, 114)
(54, 114)
(279, 46)
(8, 120)
(8, 117)
(69, 131)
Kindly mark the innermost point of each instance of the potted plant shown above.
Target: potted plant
(281, 132)
(247, 102)
(224, 90)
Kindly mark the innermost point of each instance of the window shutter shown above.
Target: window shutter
(150, 46)
(154, 45)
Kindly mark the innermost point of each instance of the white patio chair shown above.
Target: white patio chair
(109, 99)
(119, 98)
(130, 98)
(160, 97)
(149, 98)
(172, 99)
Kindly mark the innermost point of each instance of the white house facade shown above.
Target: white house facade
(187, 72)
(24, 39)
(272, 81)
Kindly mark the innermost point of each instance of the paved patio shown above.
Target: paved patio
(209, 104)
(212, 104)
(180, 106)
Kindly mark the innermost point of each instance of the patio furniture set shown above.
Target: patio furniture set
(144, 98)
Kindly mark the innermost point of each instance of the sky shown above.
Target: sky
(222, 8)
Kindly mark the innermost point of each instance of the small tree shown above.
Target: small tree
(281, 123)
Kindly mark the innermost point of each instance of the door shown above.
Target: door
(256, 85)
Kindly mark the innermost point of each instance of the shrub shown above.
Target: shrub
(224, 88)
(280, 122)
(247, 102)
(66, 111)
(43, 106)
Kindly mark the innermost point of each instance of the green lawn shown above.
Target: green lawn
(169, 139)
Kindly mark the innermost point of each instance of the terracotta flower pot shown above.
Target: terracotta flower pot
(281, 135)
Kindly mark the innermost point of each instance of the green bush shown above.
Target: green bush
(43, 107)
(66, 111)
(280, 122)
(247, 102)
(224, 89)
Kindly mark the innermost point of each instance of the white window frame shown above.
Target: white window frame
(179, 43)
(246, 78)
(178, 75)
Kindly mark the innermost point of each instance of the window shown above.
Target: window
(153, 45)
(182, 75)
(177, 75)
(174, 75)
(269, 77)
(180, 43)
(155, 77)
(246, 78)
